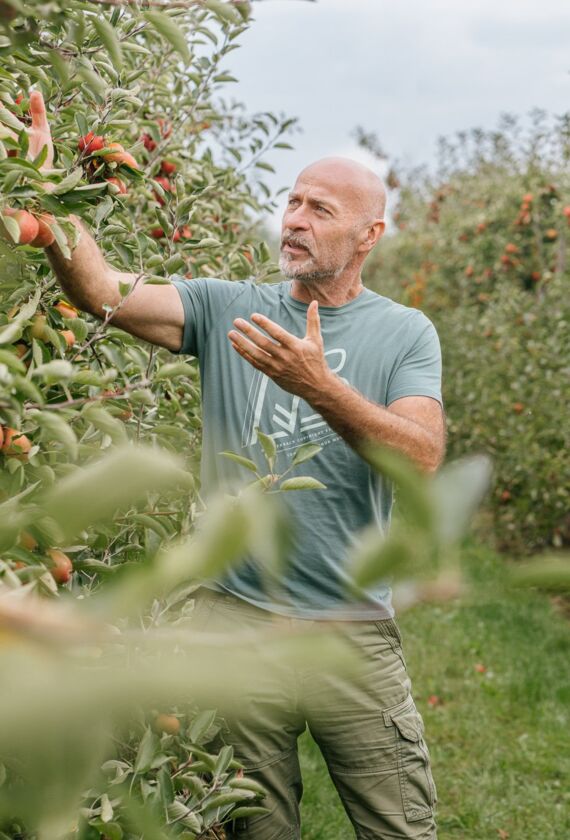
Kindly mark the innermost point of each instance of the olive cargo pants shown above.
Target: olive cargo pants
(368, 730)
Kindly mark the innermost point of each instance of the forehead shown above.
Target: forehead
(327, 187)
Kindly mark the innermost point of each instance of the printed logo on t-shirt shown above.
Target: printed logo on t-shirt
(288, 419)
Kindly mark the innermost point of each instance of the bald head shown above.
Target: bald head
(352, 182)
(333, 219)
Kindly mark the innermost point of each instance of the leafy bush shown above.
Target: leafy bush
(482, 247)
(168, 174)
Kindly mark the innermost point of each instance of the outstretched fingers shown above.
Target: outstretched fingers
(257, 337)
(38, 111)
(257, 357)
(274, 330)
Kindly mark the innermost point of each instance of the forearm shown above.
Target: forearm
(359, 422)
(86, 279)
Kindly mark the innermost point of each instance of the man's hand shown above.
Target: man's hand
(412, 425)
(39, 134)
(297, 365)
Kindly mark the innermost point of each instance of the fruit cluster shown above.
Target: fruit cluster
(34, 230)
(97, 154)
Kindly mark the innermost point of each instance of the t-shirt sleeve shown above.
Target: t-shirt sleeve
(418, 373)
(204, 300)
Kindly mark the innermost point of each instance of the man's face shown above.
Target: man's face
(319, 234)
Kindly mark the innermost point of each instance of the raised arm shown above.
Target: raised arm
(153, 313)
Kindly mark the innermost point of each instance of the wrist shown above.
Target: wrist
(329, 389)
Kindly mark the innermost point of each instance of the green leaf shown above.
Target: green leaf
(61, 67)
(92, 81)
(411, 484)
(95, 493)
(170, 31)
(56, 428)
(40, 159)
(108, 36)
(249, 784)
(172, 369)
(61, 239)
(166, 786)
(378, 557)
(12, 361)
(306, 452)
(266, 166)
(55, 371)
(11, 332)
(12, 228)
(223, 761)
(175, 263)
(302, 482)
(208, 242)
(69, 182)
(151, 523)
(239, 459)
(104, 422)
(147, 749)
(29, 308)
(8, 118)
(221, 799)
(29, 389)
(268, 445)
(225, 77)
(245, 811)
(457, 491)
(106, 809)
(224, 11)
(201, 724)
(94, 566)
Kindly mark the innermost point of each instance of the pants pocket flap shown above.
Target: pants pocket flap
(406, 718)
(408, 724)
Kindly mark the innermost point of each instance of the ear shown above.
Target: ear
(372, 234)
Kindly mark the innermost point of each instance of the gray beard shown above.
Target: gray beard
(308, 276)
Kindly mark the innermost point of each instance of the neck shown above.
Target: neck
(328, 292)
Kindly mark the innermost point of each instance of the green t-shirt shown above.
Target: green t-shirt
(382, 349)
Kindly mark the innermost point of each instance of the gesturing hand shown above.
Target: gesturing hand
(297, 365)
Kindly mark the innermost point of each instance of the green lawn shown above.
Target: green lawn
(499, 740)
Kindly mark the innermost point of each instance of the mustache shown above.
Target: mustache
(296, 242)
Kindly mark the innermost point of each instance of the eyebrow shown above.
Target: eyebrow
(314, 201)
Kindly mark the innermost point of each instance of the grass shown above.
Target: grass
(499, 739)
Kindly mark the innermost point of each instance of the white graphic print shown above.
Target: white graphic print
(280, 415)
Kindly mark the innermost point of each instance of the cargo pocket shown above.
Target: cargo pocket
(416, 781)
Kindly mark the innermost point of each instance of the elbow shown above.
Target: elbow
(433, 459)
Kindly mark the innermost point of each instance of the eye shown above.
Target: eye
(320, 208)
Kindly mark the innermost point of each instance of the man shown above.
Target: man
(316, 358)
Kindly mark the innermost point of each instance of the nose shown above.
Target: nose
(295, 218)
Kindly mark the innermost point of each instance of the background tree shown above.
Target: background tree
(482, 247)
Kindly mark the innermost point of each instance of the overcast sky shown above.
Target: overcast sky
(409, 70)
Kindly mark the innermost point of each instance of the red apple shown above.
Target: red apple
(45, 235)
(29, 227)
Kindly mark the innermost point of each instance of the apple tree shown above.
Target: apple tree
(166, 169)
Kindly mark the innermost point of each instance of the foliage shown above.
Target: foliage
(481, 246)
(93, 666)
(92, 672)
(182, 196)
